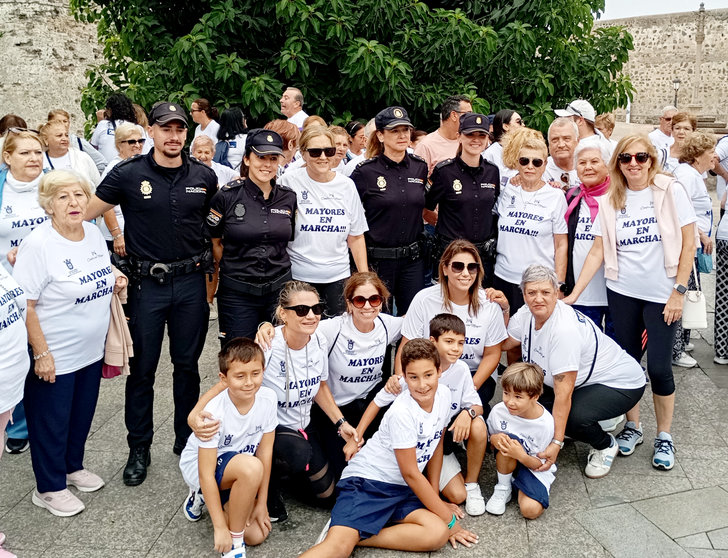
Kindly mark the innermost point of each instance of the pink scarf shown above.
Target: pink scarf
(589, 195)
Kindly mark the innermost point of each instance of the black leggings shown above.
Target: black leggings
(590, 404)
(631, 317)
(512, 291)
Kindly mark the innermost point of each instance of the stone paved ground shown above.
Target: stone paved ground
(635, 511)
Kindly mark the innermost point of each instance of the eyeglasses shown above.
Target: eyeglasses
(518, 121)
(134, 141)
(576, 110)
(458, 267)
(374, 301)
(626, 158)
(316, 152)
(302, 310)
(524, 161)
(196, 110)
(666, 118)
(16, 130)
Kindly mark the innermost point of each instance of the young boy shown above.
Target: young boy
(520, 428)
(234, 466)
(447, 333)
(383, 499)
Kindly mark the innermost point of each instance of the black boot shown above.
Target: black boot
(136, 466)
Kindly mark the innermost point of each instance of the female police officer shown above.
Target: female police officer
(391, 184)
(250, 222)
(466, 189)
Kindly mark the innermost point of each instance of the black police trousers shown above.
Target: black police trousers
(182, 306)
(404, 278)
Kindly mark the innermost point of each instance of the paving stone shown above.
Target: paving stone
(618, 488)
(557, 535)
(625, 533)
(719, 539)
(57, 551)
(705, 553)
(694, 541)
(687, 513)
(46, 528)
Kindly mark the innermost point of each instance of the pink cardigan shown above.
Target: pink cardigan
(119, 346)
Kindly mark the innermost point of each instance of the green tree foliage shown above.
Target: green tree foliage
(354, 57)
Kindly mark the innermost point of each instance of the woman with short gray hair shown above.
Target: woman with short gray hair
(587, 376)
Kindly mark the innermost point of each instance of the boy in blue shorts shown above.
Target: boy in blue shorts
(230, 472)
(384, 500)
(520, 429)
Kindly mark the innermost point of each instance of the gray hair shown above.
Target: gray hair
(535, 273)
(589, 143)
(564, 121)
(668, 108)
(54, 180)
(297, 96)
(370, 128)
(202, 138)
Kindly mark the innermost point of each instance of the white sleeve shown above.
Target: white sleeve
(324, 357)
(271, 407)
(329, 328)
(214, 408)
(557, 217)
(596, 229)
(30, 271)
(495, 326)
(402, 428)
(394, 327)
(98, 132)
(517, 323)
(564, 349)
(383, 398)
(358, 219)
(91, 170)
(469, 397)
(685, 211)
(415, 318)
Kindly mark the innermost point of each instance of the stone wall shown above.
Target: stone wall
(665, 49)
(45, 53)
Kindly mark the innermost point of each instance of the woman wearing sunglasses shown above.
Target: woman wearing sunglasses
(645, 236)
(466, 189)
(357, 345)
(459, 292)
(330, 220)
(129, 140)
(531, 226)
(391, 184)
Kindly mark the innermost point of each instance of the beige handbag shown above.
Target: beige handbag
(695, 313)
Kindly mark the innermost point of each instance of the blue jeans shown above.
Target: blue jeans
(18, 429)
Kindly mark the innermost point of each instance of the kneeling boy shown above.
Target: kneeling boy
(234, 466)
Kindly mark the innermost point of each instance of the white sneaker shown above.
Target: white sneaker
(85, 481)
(720, 360)
(497, 503)
(474, 501)
(689, 347)
(213, 312)
(235, 552)
(599, 462)
(684, 360)
(194, 505)
(61, 503)
(610, 425)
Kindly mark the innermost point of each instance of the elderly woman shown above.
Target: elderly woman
(391, 184)
(64, 268)
(531, 226)
(588, 377)
(645, 235)
(205, 116)
(357, 139)
(203, 149)
(330, 221)
(341, 142)
(118, 110)
(504, 121)
(683, 125)
(63, 116)
(61, 156)
(696, 159)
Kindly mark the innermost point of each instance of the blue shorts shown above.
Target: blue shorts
(222, 460)
(368, 505)
(525, 481)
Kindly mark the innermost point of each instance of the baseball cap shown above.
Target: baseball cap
(164, 113)
(264, 142)
(473, 122)
(391, 117)
(580, 107)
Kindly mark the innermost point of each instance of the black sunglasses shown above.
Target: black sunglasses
(316, 152)
(302, 310)
(458, 267)
(626, 158)
(523, 161)
(16, 130)
(134, 141)
(374, 301)
(576, 110)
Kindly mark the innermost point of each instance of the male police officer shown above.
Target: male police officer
(165, 197)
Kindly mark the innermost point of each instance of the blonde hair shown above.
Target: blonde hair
(124, 132)
(314, 120)
(313, 132)
(521, 138)
(285, 297)
(606, 121)
(55, 180)
(46, 128)
(11, 140)
(617, 193)
(697, 144)
(58, 112)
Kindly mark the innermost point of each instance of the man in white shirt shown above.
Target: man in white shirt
(292, 106)
(583, 113)
(443, 143)
(563, 138)
(661, 137)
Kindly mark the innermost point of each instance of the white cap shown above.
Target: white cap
(580, 107)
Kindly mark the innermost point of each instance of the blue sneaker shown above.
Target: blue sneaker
(235, 552)
(664, 457)
(629, 438)
(194, 504)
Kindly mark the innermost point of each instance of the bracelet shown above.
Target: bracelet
(507, 310)
(117, 236)
(452, 522)
(115, 229)
(340, 422)
(261, 324)
(559, 443)
(41, 355)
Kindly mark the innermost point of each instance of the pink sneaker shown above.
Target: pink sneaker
(5, 553)
(85, 480)
(61, 503)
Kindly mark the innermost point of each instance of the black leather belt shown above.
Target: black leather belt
(163, 271)
(254, 289)
(411, 251)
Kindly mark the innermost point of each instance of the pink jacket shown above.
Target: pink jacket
(119, 346)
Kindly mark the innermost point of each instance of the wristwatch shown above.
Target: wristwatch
(471, 412)
(682, 289)
(559, 443)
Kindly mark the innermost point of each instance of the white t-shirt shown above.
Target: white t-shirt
(328, 214)
(351, 165)
(76, 161)
(567, 342)
(458, 380)
(15, 362)
(72, 282)
(20, 213)
(236, 150)
(405, 425)
(553, 173)
(494, 154)
(660, 140)
(533, 434)
(237, 433)
(356, 358)
(695, 188)
(303, 370)
(595, 293)
(224, 173)
(117, 208)
(527, 224)
(210, 131)
(722, 231)
(57, 163)
(640, 256)
(671, 163)
(104, 138)
(298, 118)
(485, 329)
(721, 152)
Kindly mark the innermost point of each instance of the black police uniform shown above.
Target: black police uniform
(467, 199)
(255, 264)
(393, 196)
(167, 242)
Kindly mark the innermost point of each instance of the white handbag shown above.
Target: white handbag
(695, 313)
